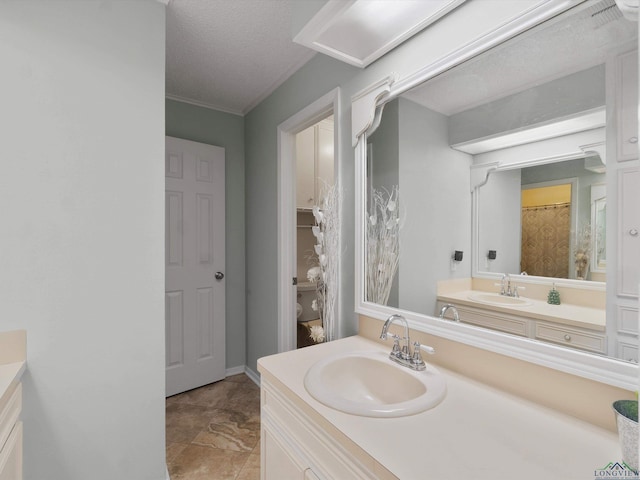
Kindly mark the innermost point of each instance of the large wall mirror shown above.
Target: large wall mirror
(504, 172)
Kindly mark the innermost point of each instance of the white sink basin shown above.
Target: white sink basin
(369, 384)
(499, 300)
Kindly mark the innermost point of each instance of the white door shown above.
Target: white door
(194, 263)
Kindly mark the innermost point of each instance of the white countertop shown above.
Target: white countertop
(476, 433)
(565, 313)
(10, 373)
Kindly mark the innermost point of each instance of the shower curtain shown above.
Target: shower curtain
(545, 240)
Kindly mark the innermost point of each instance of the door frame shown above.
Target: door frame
(287, 130)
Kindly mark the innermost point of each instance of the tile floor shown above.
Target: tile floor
(213, 432)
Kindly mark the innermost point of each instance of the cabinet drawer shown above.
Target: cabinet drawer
(627, 105)
(495, 321)
(11, 455)
(627, 350)
(314, 448)
(9, 413)
(570, 337)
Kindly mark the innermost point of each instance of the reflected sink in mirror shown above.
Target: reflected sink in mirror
(500, 300)
(369, 384)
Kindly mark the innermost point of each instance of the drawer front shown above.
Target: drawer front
(315, 448)
(627, 320)
(495, 321)
(627, 350)
(571, 337)
(9, 413)
(11, 455)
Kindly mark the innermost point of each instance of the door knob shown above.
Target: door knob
(219, 275)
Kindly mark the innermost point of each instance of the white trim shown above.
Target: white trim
(279, 81)
(229, 372)
(363, 107)
(198, 103)
(598, 368)
(324, 106)
(255, 377)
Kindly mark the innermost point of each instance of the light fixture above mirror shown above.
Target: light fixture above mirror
(359, 32)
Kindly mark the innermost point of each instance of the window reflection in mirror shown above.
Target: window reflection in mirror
(533, 113)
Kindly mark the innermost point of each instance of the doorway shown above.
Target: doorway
(288, 271)
(314, 165)
(194, 264)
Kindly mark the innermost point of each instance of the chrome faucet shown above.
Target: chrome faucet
(506, 289)
(404, 356)
(443, 310)
(506, 280)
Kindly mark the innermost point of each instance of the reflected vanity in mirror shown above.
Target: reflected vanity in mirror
(514, 157)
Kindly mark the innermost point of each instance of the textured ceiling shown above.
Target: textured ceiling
(230, 54)
(559, 48)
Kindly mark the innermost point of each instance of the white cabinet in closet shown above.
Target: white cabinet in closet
(314, 163)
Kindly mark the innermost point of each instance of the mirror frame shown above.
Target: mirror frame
(367, 107)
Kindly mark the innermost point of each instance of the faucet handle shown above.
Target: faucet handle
(417, 357)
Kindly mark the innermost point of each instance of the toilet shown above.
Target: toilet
(306, 295)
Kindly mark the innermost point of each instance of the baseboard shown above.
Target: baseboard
(255, 377)
(234, 371)
(167, 469)
(252, 375)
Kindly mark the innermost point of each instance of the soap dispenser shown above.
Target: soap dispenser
(554, 296)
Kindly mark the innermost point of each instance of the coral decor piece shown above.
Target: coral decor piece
(383, 244)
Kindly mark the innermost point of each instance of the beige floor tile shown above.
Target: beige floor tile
(213, 432)
(203, 463)
(251, 469)
(184, 422)
(231, 431)
(174, 449)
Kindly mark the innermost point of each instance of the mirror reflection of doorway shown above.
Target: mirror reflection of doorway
(546, 231)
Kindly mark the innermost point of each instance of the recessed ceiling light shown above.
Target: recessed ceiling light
(359, 32)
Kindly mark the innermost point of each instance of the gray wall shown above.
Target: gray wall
(316, 78)
(82, 232)
(499, 217)
(562, 97)
(434, 185)
(224, 130)
(311, 82)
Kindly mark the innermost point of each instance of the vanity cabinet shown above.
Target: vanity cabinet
(627, 106)
(575, 337)
(629, 231)
(11, 435)
(314, 163)
(570, 337)
(296, 446)
(492, 320)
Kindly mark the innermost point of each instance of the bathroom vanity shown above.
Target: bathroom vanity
(476, 432)
(12, 366)
(580, 324)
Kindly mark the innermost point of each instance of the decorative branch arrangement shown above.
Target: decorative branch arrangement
(327, 248)
(383, 244)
